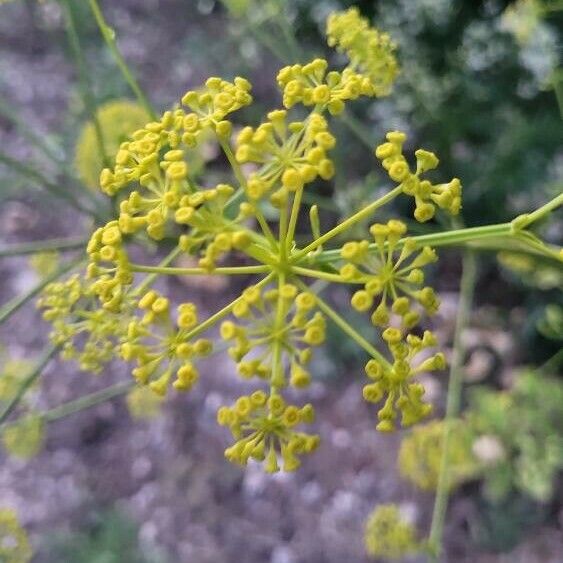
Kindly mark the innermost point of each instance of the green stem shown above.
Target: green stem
(85, 82)
(347, 328)
(15, 304)
(201, 271)
(468, 280)
(318, 274)
(109, 37)
(445, 238)
(526, 220)
(346, 224)
(293, 219)
(151, 277)
(38, 178)
(42, 246)
(45, 358)
(87, 401)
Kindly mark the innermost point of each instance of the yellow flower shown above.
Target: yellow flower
(420, 455)
(24, 438)
(142, 403)
(388, 534)
(426, 195)
(395, 382)
(14, 544)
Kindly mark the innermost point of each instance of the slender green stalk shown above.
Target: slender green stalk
(318, 274)
(45, 358)
(87, 401)
(468, 280)
(15, 304)
(293, 219)
(42, 246)
(109, 37)
(54, 189)
(86, 87)
(234, 270)
(346, 224)
(347, 328)
(168, 259)
(526, 220)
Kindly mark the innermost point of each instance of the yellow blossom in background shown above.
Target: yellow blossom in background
(522, 19)
(44, 263)
(388, 534)
(370, 51)
(143, 403)
(420, 455)
(24, 438)
(14, 543)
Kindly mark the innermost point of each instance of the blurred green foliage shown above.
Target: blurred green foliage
(109, 537)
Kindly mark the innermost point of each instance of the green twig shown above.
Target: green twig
(109, 37)
(45, 358)
(86, 87)
(468, 280)
(54, 189)
(42, 246)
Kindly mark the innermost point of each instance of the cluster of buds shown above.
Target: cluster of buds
(291, 154)
(264, 429)
(311, 85)
(426, 195)
(394, 382)
(392, 276)
(109, 266)
(163, 348)
(302, 328)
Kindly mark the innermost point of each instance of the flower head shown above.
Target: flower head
(162, 346)
(396, 383)
(426, 195)
(24, 438)
(256, 335)
(389, 534)
(14, 544)
(264, 430)
(392, 276)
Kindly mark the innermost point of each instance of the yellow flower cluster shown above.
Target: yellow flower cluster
(301, 329)
(117, 119)
(291, 154)
(143, 403)
(426, 195)
(388, 534)
(210, 230)
(264, 429)
(86, 334)
(391, 276)
(24, 438)
(371, 52)
(138, 160)
(12, 375)
(14, 543)
(162, 347)
(311, 85)
(109, 266)
(395, 383)
(420, 455)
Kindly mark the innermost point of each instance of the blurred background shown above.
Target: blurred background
(134, 479)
